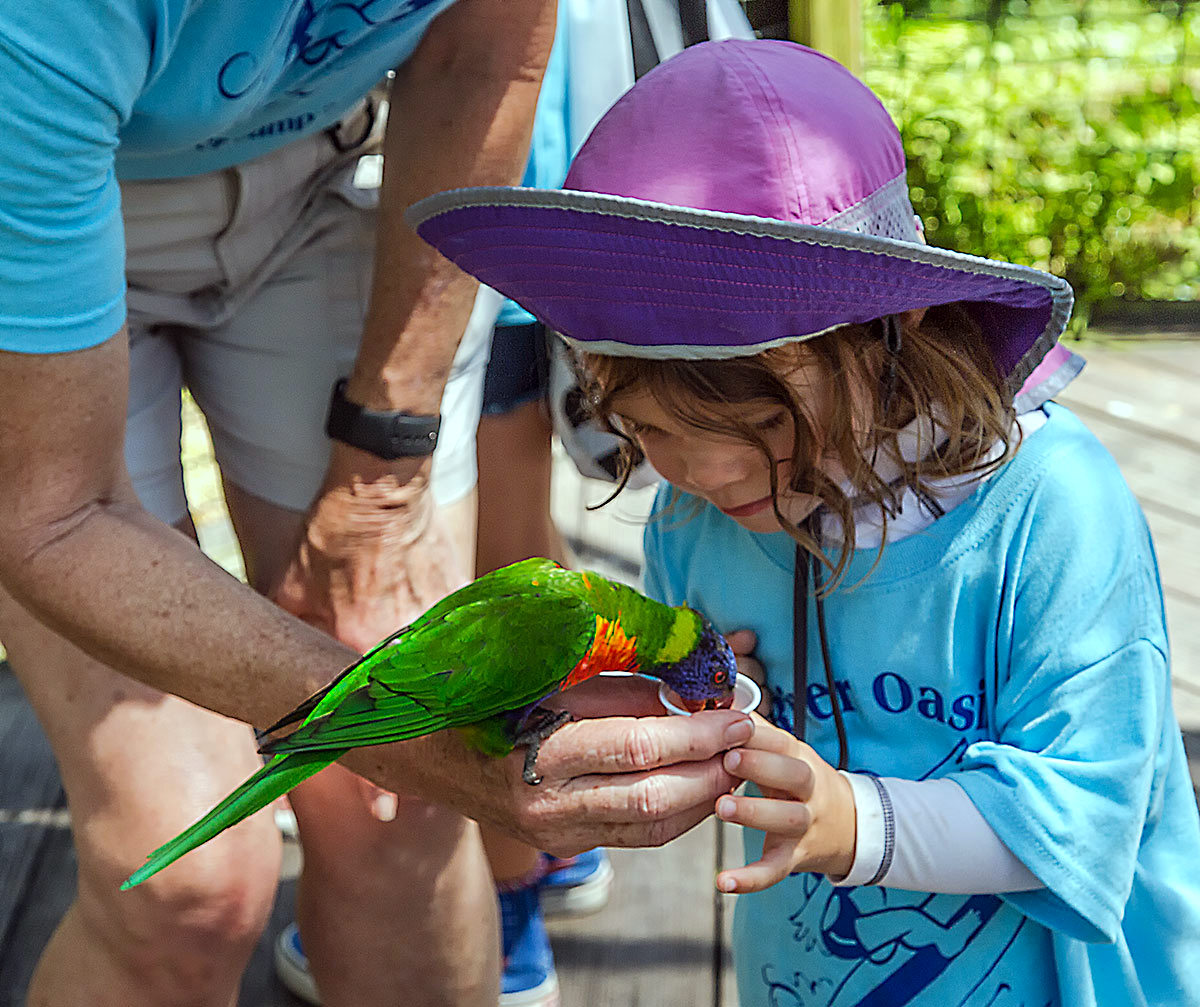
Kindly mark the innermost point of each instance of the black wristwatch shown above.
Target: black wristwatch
(387, 435)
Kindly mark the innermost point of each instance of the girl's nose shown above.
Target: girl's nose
(713, 470)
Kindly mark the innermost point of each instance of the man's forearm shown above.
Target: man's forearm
(142, 598)
(461, 115)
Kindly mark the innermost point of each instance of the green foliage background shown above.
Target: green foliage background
(1059, 134)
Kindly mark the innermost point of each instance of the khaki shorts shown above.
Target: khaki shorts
(249, 286)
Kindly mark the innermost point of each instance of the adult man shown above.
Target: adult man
(246, 260)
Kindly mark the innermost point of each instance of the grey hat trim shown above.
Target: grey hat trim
(603, 204)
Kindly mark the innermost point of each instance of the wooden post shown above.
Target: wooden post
(832, 26)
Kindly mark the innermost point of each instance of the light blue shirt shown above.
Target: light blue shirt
(92, 91)
(551, 148)
(1018, 647)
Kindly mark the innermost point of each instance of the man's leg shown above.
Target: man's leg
(392, 913)
(399, 912)
(139, 766)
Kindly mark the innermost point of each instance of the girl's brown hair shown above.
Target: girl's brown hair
(942, 370)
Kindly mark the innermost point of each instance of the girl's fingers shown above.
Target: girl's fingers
(783, 818)
(742, 642)
(768, 769)
(775, 865)
(769, 738)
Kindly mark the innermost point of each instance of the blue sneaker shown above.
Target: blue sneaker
(577, 885)
(529, 979)
(291, 965)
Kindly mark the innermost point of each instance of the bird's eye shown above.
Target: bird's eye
(720, 676)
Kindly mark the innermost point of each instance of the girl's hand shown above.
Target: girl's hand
(742, 642)
(807, 811)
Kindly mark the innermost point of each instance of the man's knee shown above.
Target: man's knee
(197, 922)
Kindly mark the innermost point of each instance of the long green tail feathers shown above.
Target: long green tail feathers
(277, 777)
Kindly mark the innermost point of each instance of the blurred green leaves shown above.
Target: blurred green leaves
(1055, 133)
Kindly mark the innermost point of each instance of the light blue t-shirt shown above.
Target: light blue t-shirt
(1018, 647)
(550, 149)
(92, 91)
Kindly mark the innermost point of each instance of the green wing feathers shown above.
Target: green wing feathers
(480, 658)
(276, 778)
(499, 644)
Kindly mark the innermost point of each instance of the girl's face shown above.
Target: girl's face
(726, 471)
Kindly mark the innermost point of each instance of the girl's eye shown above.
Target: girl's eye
(772, 421)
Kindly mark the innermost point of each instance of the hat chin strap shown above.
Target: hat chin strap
(891, 343)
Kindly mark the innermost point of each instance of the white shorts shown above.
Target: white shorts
(250, 287)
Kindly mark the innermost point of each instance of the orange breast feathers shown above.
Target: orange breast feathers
(611, 650)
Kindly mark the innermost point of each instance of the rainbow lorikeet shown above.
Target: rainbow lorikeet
(481, 660)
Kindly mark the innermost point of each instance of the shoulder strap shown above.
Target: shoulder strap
(645, 52)
(693, 19)
(693, 27)
(800, 642)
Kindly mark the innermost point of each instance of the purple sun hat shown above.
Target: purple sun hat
(742, 195)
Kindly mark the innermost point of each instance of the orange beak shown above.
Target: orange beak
(696, 705)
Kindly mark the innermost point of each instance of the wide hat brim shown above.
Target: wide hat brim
(635, 278)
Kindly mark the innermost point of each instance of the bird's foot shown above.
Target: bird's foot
(538, 728)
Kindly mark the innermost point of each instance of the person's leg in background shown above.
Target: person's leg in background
(514, 451)
(513, 447)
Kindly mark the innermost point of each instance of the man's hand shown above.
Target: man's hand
(614, 781)
(374, 555)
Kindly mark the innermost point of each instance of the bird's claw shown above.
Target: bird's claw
(532, 737)
(529, 773)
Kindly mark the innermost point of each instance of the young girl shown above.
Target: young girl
(974, 791)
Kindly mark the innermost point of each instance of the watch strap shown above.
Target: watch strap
(385, 434)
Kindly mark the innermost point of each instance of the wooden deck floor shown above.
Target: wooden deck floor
(662, 939)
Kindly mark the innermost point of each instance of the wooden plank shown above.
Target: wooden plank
(653, 944)
(731, 852)
(36, 871)
(1191, 745)
(1153, 439)
(1177, 543)
(1139, 421)
(1150, 382)
(260, 985)
(1163, 474)
(1175, 356)
(46, 891)
(1183, 628)
(38, 867)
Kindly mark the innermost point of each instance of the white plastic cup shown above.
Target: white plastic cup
(746, 697)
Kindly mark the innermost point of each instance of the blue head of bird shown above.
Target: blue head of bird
(705, 677)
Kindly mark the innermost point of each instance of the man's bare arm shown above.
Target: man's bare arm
(79, 552)
(461, 115)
